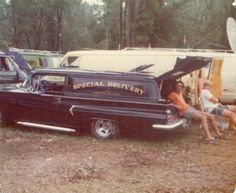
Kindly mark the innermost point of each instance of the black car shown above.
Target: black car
(69, 99)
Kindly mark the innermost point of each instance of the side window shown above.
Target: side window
(43, 62)
(69, 61)
(5, 64)
(51, 84)
(105, 87)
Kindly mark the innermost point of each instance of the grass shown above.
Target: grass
(136, 142)
(132, 139)
(143, 161)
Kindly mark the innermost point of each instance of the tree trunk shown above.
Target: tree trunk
(59, 30)
(130, 22)
(15, 23)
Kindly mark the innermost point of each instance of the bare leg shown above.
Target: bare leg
(212, 120)
(198, 116)
(232, 108)
(213, 123)
(229, 114)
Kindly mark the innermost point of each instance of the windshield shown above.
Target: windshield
(43, 61)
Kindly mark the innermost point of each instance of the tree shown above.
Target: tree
(189, 22)
(82, 27)
(74, 24)
(4, 27)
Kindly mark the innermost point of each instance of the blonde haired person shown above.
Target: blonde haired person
(212, 104)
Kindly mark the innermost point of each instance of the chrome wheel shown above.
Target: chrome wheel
(104, 129)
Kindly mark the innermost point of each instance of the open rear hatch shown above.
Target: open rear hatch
(185, 66)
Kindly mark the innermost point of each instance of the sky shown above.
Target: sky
(93, 1)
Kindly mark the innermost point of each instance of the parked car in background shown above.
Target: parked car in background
(10, 72)
(19, 60)
(32, 59)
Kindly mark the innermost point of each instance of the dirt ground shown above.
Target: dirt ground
(139, 162)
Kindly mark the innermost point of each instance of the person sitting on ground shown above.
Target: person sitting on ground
(211, 104)
(190, 113)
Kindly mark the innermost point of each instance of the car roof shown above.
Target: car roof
(72, 71)
(2, 54)
(34, 52)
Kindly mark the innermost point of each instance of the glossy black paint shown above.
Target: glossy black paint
(77, 110)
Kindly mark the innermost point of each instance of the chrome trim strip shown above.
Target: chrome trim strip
(45, 126)
(112, 111)
(99, 99)
(171, 126)
(109, 100)
(71, 110)
(123, 101)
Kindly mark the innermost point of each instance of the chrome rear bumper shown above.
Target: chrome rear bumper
(181, 122)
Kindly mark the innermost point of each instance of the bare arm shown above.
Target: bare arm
(214, 100)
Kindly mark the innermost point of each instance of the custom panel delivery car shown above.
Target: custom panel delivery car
(71, 99)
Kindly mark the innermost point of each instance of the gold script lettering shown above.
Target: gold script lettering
(119, 85)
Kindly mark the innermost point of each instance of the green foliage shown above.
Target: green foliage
(202, 22)
(75, 24)
(111, 23)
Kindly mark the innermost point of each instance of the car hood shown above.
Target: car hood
(185, 66)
